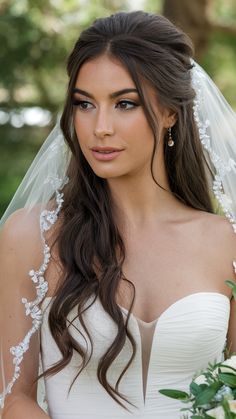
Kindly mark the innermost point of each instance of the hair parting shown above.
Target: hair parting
(90, 245)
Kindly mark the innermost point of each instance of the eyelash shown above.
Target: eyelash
(80, 103)
(129, 102)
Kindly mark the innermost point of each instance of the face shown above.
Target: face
(110, 123)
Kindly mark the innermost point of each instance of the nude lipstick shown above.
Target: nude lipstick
(105, 153)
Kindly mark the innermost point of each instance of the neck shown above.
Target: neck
(139, 201)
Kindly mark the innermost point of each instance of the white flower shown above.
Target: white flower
(232, 405)
(201, 379)
(231, 362)
(218, 412)
(224, 392)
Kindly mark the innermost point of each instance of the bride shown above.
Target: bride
(113, 261)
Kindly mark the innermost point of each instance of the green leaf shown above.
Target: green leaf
(203, 386)
(229, 368)
(206, 395)
(175, 394)
(228, 413)
(195, 389)
(205, 416)
(227, 378)
(232, 285)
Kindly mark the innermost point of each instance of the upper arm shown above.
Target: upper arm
(232, 328)
(20, 251)
(229, 247)
(223, 245)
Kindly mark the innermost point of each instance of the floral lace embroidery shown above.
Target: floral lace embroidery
(222, 168)
(47, 219)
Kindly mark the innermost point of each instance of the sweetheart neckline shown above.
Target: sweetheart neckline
(220, 294)
(180, 300)
(157, 325)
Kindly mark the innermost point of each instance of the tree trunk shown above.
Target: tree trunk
(192, 17)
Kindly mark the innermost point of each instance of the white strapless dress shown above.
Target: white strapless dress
(170, 350)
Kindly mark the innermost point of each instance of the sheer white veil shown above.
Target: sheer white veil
(216, 122)
(47, 175)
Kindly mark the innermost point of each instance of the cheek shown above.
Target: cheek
(80, 127)
(141, 135)
(83, 133)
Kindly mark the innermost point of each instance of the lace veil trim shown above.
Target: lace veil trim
(58, 159)
(222, 168)
(32, 309)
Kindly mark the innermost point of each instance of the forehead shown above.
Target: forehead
(103, 72)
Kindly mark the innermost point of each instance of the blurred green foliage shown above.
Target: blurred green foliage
(220, 60)
(36, 37)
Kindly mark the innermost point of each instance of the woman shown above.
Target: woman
(129, 260)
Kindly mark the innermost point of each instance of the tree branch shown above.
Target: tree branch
(218, 26)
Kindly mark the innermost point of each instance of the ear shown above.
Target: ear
(169, 118)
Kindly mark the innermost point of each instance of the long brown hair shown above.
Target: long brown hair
(90, 245)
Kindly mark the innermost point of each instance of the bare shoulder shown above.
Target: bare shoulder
(219, 231)
(218, 222)
(21, 234)
(22, 221)
(22, 250)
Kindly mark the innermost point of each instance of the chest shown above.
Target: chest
(168, 266)
(175, 355)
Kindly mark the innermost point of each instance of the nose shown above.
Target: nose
(103, 124)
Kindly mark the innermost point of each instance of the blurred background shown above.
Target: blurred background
(36, 37)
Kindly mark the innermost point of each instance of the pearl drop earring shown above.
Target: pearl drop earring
(170, 139)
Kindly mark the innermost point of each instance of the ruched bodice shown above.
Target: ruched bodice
(182, 341)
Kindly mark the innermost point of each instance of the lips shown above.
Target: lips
(105, 149)
(106, 153)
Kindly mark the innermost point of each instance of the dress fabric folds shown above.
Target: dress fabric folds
(170, 351)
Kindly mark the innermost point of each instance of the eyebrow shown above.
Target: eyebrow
(111, 96)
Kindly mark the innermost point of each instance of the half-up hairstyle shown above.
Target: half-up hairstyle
(91, 248)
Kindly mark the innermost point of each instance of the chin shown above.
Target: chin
(104, 170)
(107, 173)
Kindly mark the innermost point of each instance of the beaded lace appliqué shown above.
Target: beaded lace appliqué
(222, 168)
(32, 309)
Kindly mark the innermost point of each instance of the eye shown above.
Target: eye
(82, 104)
(126, 104)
